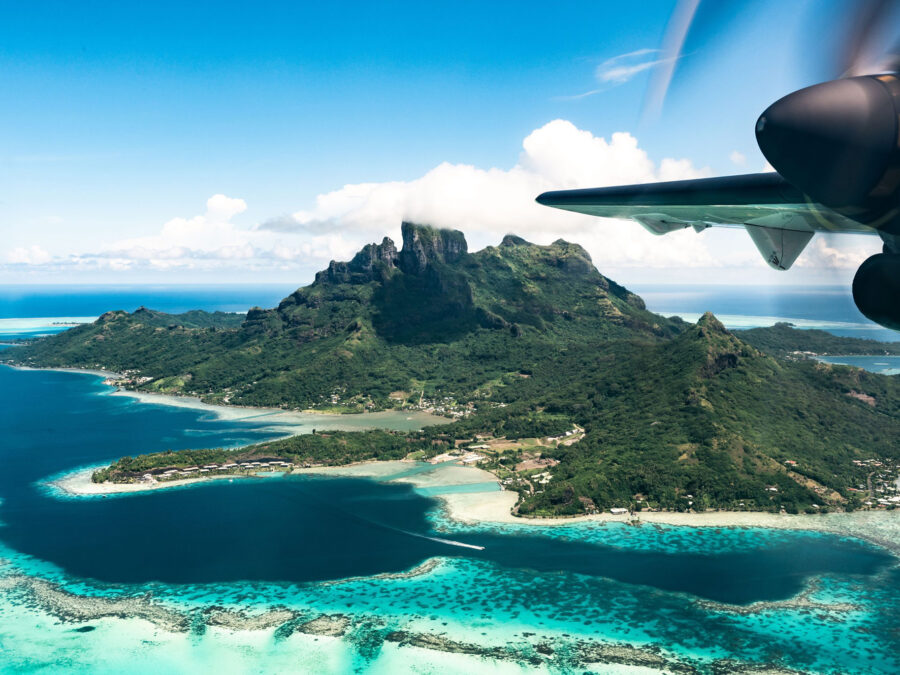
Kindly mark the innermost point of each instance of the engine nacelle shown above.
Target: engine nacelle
(837, 142)
(876, 289)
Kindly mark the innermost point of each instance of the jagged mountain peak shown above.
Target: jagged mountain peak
(709, 324)
(423, 245)
(720, 349)
(514, 240)
(433, 289)
(373, 261)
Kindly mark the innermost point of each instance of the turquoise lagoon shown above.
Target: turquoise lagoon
(380, 561)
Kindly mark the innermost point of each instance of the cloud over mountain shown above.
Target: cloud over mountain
(485, 203)
(488, 203)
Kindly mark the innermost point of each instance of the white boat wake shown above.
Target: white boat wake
(449, 542)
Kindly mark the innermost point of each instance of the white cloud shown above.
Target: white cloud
(488, 203)
(738, 158)
(31, 255)
(622, 68)
(207, 242)
(219, 207)
(209, 233)
(484, 203)
(838, 252)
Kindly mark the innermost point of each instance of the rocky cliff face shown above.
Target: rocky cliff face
(423, 244)
(372, 263)
(434, 290)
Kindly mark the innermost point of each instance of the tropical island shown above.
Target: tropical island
(558, 380)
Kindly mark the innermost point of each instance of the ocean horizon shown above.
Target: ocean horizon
(828, 308)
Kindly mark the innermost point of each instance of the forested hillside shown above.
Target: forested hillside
(523, 343)
(430, 319)
(783, 339)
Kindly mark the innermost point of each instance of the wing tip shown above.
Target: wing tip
(551, 198)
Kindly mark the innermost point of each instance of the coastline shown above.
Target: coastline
(283, 418)
(494, 506)
(236, 614)
(291, 421)
(881, 528)
(78, 483)
(107, 374)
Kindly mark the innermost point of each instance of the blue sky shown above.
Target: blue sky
(120, 119)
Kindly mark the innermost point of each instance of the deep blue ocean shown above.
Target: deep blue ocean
(32, 311)
(285, 541)
(223, 531)
(317, 544)
(22, 301)
(828, 308)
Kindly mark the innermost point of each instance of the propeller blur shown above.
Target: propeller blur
(835, 147)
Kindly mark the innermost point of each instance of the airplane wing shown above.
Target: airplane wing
(780, 219)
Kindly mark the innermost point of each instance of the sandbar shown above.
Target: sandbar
(290, 421)
(79, 484)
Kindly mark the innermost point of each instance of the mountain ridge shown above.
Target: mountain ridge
(520, 340)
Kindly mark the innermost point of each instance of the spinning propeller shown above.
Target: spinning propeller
(835, 147)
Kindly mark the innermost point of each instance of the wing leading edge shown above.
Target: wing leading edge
(780, 219)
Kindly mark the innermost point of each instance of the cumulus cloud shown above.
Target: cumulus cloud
(737, 158)
(31, 255)
(211, 234)
(847, 253)
(485, 203)
(488, 203)
(206, 242)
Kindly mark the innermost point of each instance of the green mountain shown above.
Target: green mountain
(196, 318)
(430, 318)
(521, 342)
(707, 415)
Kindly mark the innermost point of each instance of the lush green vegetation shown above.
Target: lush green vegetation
(332, 448)
(709, 416)
(527, 342)
(430, 319)
(783, 339)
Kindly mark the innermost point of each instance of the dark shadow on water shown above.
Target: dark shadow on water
(313, 528)
(302, 529)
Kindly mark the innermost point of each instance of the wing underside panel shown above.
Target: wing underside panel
(781, 220)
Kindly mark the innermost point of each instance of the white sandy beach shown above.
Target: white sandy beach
(290, 421)
(79, 484)
(106, 374)
(497, 507)
(286, 419)
(493, 506)
(879, 527)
